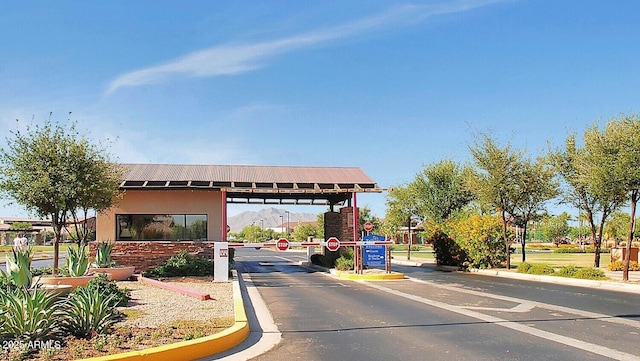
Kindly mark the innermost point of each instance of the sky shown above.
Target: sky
(386, 86)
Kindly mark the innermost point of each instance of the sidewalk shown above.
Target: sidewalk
(614, 283)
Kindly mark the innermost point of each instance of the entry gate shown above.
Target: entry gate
(221, 252)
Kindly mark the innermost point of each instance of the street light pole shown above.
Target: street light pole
(261, 229)
(287, 212)
(281, 224)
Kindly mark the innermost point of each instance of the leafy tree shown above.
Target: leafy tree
(554, 228)
(617, 226)
(320, 225)
(401, 207)
(251, 233)
(441, 190)
(589, 181)
(496, 182)
(620, 147)
(365, 216)
(56, 172)
(304, 231)
(20, 226)
(535, 185)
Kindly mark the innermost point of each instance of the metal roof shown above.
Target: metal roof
(255, 184)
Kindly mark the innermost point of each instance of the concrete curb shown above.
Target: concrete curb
(605, 285)
(198, 348)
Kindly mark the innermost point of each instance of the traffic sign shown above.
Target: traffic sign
(333, 244)
(374, 255)
(368, 226)
(282, 244)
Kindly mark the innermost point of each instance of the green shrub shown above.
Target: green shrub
(182, 264)
(535, 268)
(87, 313)
(19, 267)
(105, 287)
(618, 265)
(540, 246)
(567, 271)
(480, 236)
(569, 250)
(446, 250)
(316, 259)
(28, 314)
(47, 270)
(77, 261)
(103, 255)
(590, 273)
(524, 267)
(345, 261)
(344, 264)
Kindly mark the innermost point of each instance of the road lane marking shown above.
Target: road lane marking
(547, 306)
(568, 341)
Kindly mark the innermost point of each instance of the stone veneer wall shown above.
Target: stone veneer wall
(346, 224)
(339, 225)
(146, 255)
(332, 224)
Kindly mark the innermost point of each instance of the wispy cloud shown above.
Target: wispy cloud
(230, 59)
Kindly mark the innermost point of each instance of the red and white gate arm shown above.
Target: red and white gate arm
(309, 244)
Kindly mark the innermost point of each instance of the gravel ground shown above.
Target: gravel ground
(158, 306)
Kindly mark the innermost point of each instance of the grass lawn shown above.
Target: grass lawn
(415, 255)
(558, 260)
(38, 249)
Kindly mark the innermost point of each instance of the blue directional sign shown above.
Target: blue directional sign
(375, 255)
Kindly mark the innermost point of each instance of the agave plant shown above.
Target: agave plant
(19, 267)
(28, 314)
(103, 255)
(87, 312)
(77, 261)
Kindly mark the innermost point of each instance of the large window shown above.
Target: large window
(155, 227)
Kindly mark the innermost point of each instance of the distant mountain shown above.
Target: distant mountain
(270, 218)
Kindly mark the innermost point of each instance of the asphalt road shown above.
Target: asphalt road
(437, 316)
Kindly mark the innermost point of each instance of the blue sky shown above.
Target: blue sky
(386, 86)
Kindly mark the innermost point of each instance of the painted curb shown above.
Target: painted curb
(368, 277)
(194, 349)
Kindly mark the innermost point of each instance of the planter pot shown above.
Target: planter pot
(619, 253)
(56, 290)
(118, 273)
(71, 281)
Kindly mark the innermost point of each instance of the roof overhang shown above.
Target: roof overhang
(255, 184)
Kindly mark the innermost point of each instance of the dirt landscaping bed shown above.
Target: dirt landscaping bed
(153, 317)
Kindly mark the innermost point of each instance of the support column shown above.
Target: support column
(223, 236)
(356, 249)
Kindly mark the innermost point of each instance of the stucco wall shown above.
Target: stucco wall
(164, 202)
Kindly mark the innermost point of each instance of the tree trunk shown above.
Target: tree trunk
(598, 240)
(505, 238)
(56, 255)
(524, 242)
(409, 240)
(592, 226)
(627, 256)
